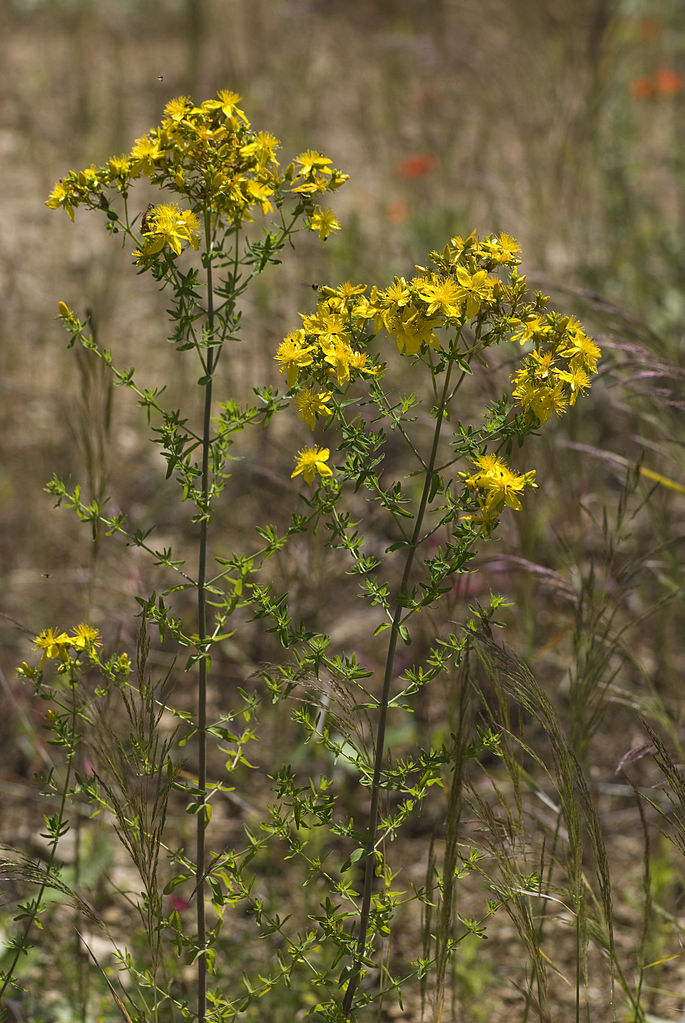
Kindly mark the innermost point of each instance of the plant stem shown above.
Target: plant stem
(372, 826)
(202, 636)
(57, 834)
(452, 822)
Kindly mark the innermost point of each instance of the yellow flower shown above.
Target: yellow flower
(311, 162)
(339, 356)
(66, 314)
(458, 246)
(540, 398)
(312, 404)
(176, 109)
(119, 167)
(531, 327)
(323, 221)
(364, 309)
(503, 250)
(53, 646)
(440, 296)
(577, 381)
(227, 102)
(475, 289)
(396, 294)
(293, 354)
(258, 194)
(327, 324)
(84, 636)
(348, 290)
(166, 224)
(60, 197)
(312, 462)
(89, 178)
(144, 154)
(262, 149)
(314, 174)
(410, 328)
(497, 484)
(540, 364)
(358, 361)
(581, 350)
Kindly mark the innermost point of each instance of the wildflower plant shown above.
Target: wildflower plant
(216, 175)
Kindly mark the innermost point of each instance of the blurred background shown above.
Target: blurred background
(559, 122)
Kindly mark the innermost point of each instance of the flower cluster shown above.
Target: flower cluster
(558, 368)
(463, 294)
(210, 155)
(496, 485)
(70, 651)
(329, 348)
(326, 347)
(457, 288)
(60, 646)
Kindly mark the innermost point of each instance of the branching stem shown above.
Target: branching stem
(401, 604)
(202, 636)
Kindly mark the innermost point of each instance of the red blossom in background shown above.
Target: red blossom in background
(642, 87)
(415, 166)
(411, 168)
(667, 82)
(662, 82)
(397, 212)
(178, 903)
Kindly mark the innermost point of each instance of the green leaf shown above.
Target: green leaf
(176, 882)
(396, 546)
(352, 858)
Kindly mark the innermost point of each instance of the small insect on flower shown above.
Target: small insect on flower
(145, 220)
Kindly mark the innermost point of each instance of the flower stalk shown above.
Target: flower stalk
(384, 703)
(203, 664)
